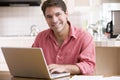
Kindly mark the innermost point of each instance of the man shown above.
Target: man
(66, 48)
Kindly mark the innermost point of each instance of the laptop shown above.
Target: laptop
(28, 62)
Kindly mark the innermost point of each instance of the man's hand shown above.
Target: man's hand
(57, 68)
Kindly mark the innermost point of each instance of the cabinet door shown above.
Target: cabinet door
(82, 3)
(110, 1)
(70, 5)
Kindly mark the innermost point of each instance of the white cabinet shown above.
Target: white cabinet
(82, 2)
(110, 1)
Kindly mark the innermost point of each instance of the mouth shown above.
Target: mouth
(56, 25)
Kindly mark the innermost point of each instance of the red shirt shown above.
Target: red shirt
(77, 49)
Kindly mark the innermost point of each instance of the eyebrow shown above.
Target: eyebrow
(54, 14)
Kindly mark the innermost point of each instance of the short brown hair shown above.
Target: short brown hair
(57, 3)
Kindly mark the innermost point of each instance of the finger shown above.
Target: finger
(51, 67)
(55, 70)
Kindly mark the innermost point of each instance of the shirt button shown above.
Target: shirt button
(58, 58)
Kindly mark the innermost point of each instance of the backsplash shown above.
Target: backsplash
(18, 20)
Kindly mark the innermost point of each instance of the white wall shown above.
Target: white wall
(18, 20)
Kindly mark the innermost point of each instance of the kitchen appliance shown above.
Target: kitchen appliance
(20, 2)
(109, 29)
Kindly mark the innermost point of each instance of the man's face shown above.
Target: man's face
(56, 18)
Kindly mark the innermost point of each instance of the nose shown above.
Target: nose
(54, 19)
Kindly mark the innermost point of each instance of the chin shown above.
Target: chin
(60, 30)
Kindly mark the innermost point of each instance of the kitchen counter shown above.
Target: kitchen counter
(28, 39)
(17, 41)
(107, 43)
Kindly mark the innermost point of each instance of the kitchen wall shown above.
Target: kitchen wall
(18, 20)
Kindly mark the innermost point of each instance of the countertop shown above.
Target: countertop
(101, 42)
(107, 43)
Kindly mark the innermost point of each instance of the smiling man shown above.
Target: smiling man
(66, 48)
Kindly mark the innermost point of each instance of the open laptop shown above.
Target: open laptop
(28, 62)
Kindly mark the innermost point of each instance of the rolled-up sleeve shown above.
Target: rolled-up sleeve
(87, 56)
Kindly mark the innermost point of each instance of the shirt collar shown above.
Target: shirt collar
(72, 31)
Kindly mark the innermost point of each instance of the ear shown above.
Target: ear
(66, 13)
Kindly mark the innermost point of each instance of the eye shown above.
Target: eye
(58, 14)
(48, 16)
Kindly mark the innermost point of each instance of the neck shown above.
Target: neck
(61, 36)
